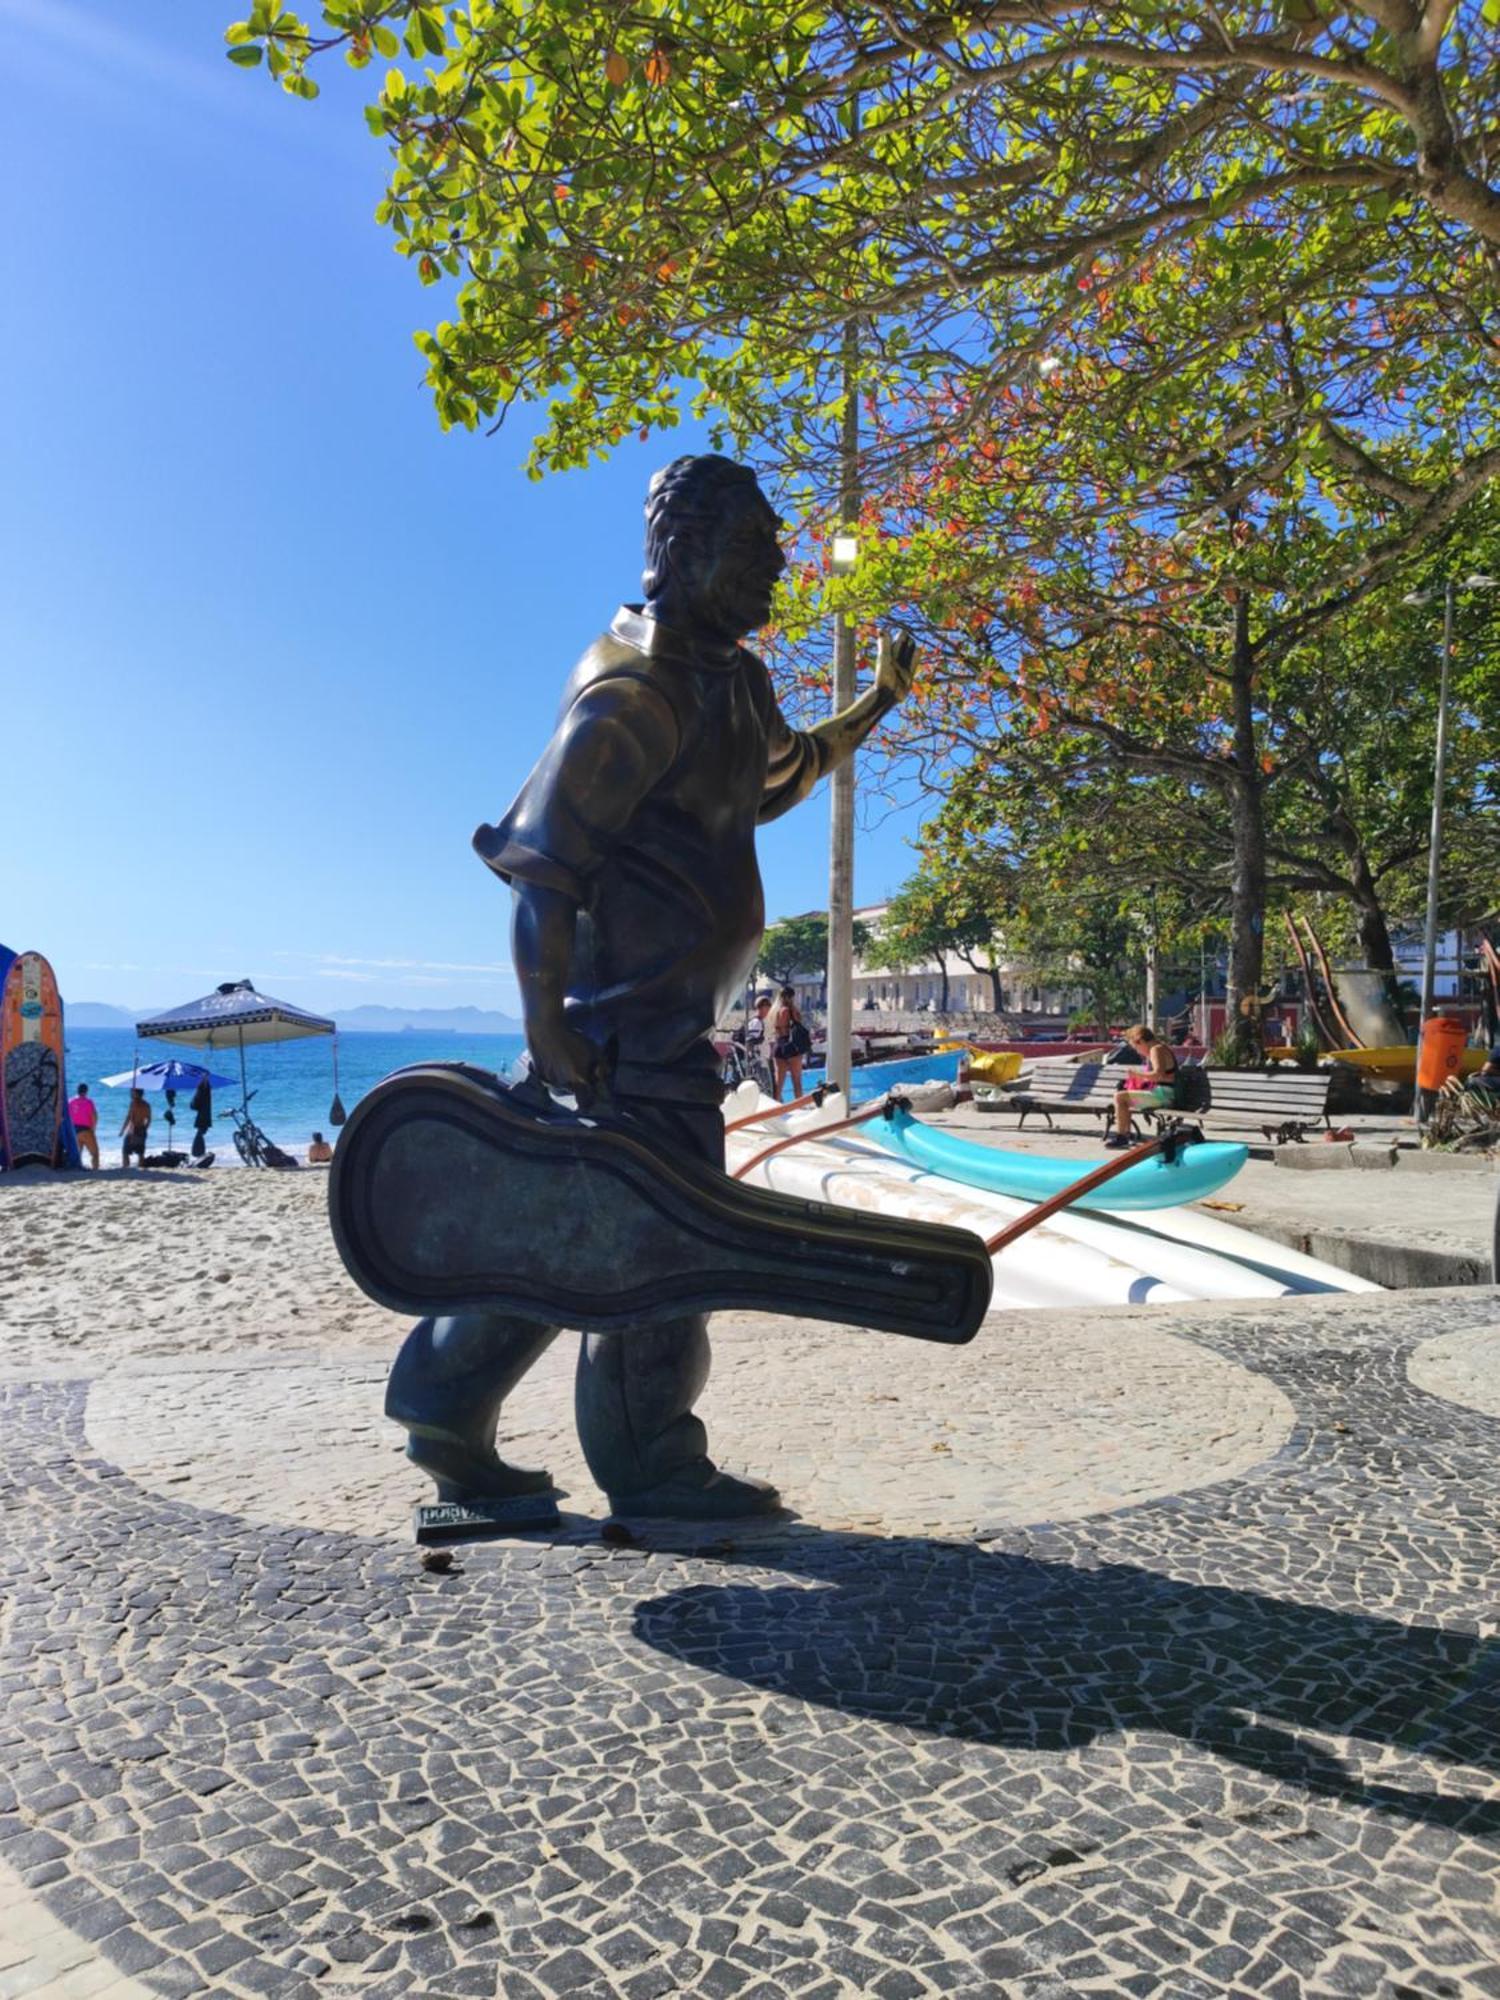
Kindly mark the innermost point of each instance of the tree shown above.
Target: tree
(1129, 646)
(704, 198)
(1253, 249)
(937, 915)
(1080, 940)
(1194, 636)
(800, 944)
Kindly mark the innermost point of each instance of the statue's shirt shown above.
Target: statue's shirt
(642, 811)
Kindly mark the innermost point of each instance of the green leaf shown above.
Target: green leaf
(246, 54)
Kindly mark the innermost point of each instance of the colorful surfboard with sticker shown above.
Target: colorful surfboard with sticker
(33, 1094)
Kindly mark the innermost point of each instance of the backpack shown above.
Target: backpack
(799, 1039)
(1193, 1091)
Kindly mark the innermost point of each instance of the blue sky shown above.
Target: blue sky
(272, 645)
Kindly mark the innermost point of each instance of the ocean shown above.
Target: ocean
(292, 1082)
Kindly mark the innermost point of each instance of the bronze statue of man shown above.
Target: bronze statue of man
(638, 913)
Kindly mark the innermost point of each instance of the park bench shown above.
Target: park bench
(1277, 1099)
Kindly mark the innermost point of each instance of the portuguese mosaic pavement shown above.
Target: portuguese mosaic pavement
(1212, 1725)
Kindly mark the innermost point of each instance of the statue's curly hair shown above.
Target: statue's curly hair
(688, 494)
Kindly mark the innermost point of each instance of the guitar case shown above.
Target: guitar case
(453, 1192)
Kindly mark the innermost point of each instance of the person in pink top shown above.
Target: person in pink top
(85, 1116)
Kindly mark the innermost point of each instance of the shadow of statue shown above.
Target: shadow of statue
(1019, 1653)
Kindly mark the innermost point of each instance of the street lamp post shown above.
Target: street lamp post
(1439, 777)
(840, 1012)
(1435, 839)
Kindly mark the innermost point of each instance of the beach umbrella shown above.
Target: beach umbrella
(168, 1075)
(234, 1015)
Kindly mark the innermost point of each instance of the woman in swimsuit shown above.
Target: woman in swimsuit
(1155, 1085)
(790, 1042)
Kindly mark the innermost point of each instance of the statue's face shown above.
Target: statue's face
(731, 576)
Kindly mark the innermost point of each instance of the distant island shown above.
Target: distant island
(427, 1020)
(364, 1020)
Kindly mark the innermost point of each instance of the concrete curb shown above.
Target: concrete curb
(1397, 1266)
(1319, 1157)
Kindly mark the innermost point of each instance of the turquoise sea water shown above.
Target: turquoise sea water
(292, 1081)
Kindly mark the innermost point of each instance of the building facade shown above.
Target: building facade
(918, 989)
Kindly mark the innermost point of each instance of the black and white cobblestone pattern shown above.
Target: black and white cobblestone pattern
(1241, 1741)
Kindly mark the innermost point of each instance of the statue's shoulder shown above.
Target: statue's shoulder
(620, 680)
(610, 658)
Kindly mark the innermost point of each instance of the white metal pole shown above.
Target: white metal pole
(1435, 839)
(1435, 842)
(840, 1021)
(841, 877)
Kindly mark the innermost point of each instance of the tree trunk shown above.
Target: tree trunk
(997, 990)
(1247, 916)
(1374, 936)
(942, 965)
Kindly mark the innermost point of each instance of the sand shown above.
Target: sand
(102, 1268)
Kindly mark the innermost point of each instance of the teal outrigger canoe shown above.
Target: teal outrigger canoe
(1198, 1170)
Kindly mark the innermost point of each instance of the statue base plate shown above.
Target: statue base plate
(482, 1520)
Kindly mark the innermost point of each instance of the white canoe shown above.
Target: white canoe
(1073, 1259)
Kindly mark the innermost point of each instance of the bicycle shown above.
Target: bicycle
(743, 1066)
(252, 1145)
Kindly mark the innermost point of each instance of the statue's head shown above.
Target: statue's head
(713, 554)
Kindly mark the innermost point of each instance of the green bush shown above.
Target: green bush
(1226, 1052)
(1309, 1046)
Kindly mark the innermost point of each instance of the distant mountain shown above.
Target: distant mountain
(366, 1020)
(427, 1020)
(95, 1014)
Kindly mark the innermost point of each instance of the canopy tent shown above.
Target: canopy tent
(234, 1015)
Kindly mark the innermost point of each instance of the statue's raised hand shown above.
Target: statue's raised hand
(895, 665)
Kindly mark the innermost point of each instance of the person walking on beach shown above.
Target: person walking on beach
(136, 1124)
(790, 1042)
(1151, 1088)
(84, 1113)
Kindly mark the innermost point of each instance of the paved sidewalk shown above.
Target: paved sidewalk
(1239, 1733)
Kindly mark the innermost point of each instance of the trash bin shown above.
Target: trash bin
(1443, 1043)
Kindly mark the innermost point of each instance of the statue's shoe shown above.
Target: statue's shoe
(465, 1471)
(700, 1492)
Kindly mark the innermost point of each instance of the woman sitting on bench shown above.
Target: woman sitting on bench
(1151, 1088)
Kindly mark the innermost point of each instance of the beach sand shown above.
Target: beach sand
(102, 1268)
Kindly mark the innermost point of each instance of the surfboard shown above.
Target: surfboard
(33, 1098)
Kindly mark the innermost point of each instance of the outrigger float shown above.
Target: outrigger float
(1053, 1242)
(1164, 1181)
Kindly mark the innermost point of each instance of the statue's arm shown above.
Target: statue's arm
(805, 756)
(612, 745)
(543, 923)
